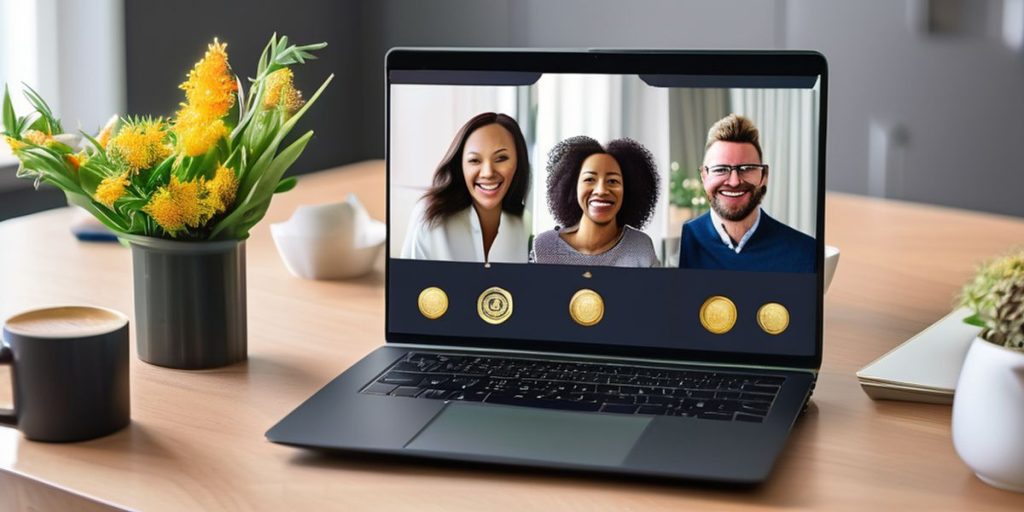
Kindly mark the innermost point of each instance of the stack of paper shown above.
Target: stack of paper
(924, 368)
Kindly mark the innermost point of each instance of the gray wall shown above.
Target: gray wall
(932, 80)
(164, 40)
(953, 101)
(563, 23)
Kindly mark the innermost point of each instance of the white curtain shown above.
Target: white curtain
(693, 111)
(788, 121)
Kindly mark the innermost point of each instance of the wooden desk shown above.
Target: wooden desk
(196, 441)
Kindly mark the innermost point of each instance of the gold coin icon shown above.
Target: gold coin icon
(718, 314)
(773, 318)
(433, 302)
(586, 307)
(494, 305)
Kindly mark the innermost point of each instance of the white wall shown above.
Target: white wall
(90, 56)
(72, 53)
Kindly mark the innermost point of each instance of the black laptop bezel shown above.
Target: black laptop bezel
(707, 62)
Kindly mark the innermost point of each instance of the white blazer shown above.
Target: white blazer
(459, 238)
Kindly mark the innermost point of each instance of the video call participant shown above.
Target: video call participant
(736, 234)
(474, 210)
(602, 196)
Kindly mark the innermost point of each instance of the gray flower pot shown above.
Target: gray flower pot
(189, 302)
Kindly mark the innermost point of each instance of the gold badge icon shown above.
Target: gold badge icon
(718, 314)
(773, 318)
(586, 307)
(494, 305)
(433, 302)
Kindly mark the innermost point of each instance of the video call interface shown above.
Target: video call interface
(660, 211)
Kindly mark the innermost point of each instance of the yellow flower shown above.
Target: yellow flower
(140, 146)
(280, 90)
(210, 94)
(15, 144)
(111, 189)
(36, 137)
(179, 205)
(76, 160)
(210, 88)
(196, 133)
(221, 189)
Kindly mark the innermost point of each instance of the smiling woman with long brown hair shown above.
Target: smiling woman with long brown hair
(474, 210)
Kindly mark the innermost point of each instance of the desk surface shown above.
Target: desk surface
(196, 439)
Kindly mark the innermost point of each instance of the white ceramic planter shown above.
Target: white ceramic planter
(988, 414)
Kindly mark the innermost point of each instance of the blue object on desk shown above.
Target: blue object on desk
(89, 232)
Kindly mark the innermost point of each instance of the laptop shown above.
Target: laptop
(593, 264)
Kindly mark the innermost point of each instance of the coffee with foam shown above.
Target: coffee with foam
(65, 322)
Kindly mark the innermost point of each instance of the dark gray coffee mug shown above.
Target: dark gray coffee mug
(68, 386)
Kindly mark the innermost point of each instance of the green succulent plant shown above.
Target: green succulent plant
(996, 298)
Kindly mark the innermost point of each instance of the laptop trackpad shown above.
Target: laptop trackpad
(536, 434)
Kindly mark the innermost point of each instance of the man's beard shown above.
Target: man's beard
(735, 215)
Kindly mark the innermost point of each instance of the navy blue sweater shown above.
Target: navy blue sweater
(774, 247)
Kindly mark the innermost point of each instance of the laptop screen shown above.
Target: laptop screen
(592, 203)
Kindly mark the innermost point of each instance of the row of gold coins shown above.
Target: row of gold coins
(718, 314)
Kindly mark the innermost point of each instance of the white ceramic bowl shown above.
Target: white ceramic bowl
(331, 241)
(327, 257)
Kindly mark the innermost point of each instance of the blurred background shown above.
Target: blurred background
(926, 96)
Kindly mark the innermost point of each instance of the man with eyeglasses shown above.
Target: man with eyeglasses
(736, 234)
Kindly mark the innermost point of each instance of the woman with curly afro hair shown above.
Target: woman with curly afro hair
(474, 211)
(600, 197)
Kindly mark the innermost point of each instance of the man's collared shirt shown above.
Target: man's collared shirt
(724, 235)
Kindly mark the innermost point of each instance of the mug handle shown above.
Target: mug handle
(7, 416)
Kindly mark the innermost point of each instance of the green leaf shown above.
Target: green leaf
(265, 188)
(276, 55)
(135, 203)
(233, 217)
(91, 175)
(49, 165)
(286, 184)
(975, 320)
(258, 198)
(268, 154)
(10, 118)
(52, 123)
(265, 57)
(240, 105)
(99, 211)
(92, 140)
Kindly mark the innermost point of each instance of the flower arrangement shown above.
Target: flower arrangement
(207, 173)
(996, 297)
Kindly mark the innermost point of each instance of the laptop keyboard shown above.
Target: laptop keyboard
(580, 386)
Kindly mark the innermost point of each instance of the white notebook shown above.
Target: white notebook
(924, 368)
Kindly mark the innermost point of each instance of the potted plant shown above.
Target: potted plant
(182, 192)
(988, 409)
